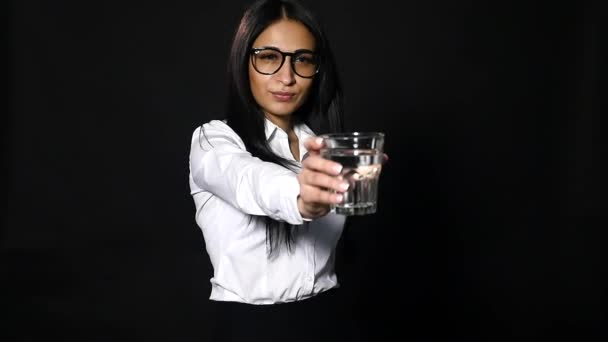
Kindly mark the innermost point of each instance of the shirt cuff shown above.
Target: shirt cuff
(290, 193)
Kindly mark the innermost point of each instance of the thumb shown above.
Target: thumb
(313, 144)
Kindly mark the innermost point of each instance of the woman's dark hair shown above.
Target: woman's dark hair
(322, 111)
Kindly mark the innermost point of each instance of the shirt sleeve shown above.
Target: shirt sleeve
(221, 165)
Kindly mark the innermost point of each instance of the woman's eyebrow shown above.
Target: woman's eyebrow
(275, 47)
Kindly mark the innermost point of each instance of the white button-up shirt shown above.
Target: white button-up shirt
(231, 191)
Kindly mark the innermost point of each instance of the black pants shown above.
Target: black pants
(324, 317)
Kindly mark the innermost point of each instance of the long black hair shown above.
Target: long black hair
(322, 112)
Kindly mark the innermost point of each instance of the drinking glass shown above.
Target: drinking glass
(361, 155)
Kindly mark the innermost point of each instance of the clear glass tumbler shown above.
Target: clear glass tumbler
(361, 155)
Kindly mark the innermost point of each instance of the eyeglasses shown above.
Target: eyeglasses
(268, 60)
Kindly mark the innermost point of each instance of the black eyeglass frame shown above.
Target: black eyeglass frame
(296, 53)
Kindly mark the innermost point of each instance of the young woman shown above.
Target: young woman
(261, 190)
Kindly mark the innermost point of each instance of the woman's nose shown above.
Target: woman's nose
(285, 73)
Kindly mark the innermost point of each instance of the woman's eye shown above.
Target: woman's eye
(305, 60)
(268, 56)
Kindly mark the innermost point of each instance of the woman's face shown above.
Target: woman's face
(282, 93)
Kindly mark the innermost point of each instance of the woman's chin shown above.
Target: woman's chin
(281, 110)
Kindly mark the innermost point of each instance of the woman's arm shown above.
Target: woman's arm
(220, 164)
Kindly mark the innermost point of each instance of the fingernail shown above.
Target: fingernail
(318, 141)
(339, 198)
(337, 168)
(344, 186)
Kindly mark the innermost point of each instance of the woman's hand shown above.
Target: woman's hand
(318, 178)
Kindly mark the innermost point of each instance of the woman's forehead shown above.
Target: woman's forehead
(287, 35)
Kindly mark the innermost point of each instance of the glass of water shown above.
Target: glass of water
(361, 155)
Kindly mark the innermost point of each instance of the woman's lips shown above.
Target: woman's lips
(282, 96)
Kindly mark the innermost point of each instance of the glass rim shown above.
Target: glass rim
(350, 135)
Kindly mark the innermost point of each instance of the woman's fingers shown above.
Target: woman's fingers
(313, 145)
(312, 194)
(320, 184)
(323, 181)
(316, 163)
(322, 173)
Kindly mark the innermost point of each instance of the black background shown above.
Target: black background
(491, 221)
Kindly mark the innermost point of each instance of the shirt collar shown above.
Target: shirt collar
(271, 129)
(302, 130)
